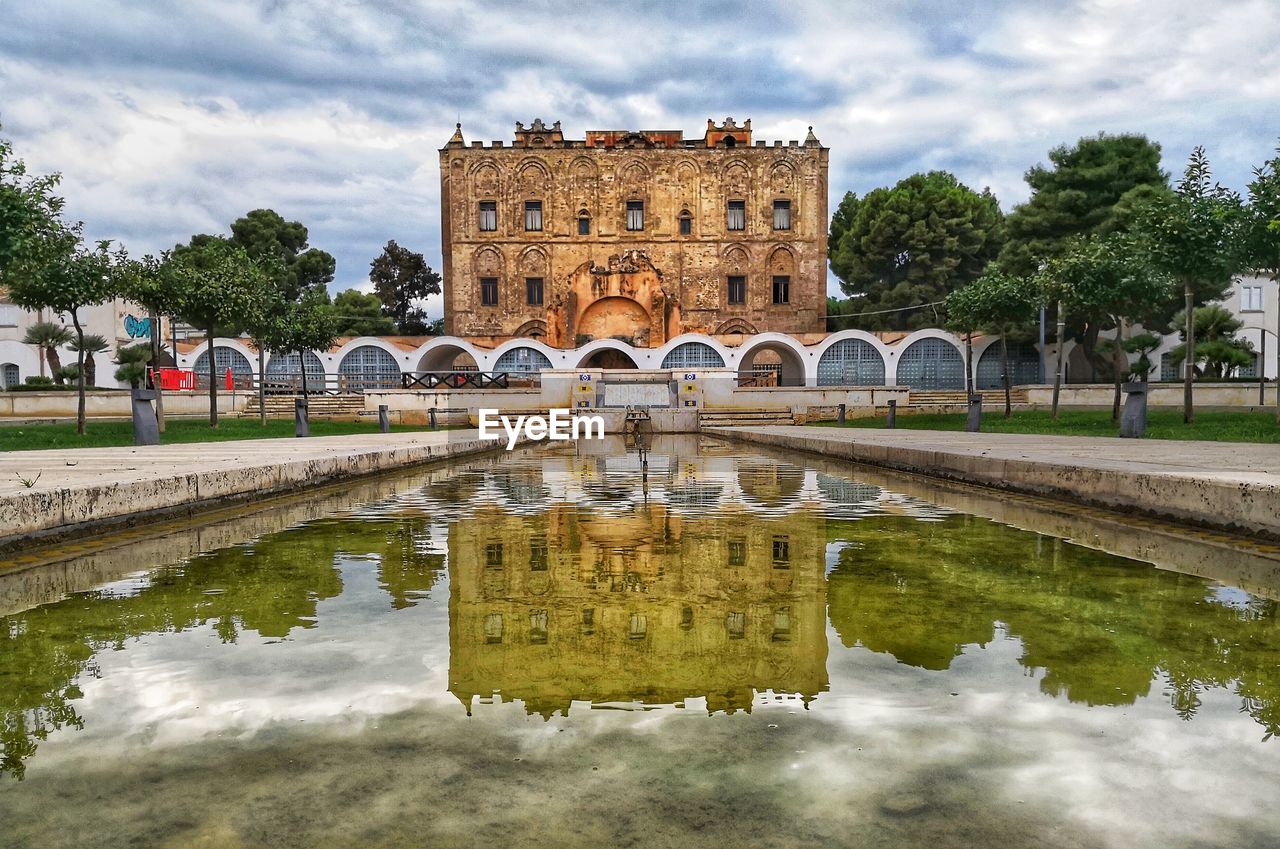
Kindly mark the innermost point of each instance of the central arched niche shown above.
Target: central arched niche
(623, 299)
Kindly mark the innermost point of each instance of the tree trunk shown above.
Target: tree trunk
(1189, 361)
(968, 364)
(55, 363)
(75, 319)
(90, 369)
(302, 359)
(1117, 365)
(213, 382)
(1008, 389)
(156, 345)
(1057, 375)
(262, 386)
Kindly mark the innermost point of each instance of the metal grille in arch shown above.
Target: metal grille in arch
(522, 361)
(693, 355)
(851, 362)
(369, 367)
(931, 363)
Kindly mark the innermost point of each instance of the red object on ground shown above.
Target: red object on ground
(174, 378)
(231, 384)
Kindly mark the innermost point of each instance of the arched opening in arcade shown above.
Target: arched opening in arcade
(771, 364)
(448, 358)
(692, 355)
(1024, 366)
(521, 365)
(931, 363)
(608, 358)
(224, 359)
(369, 367)
(851, 362)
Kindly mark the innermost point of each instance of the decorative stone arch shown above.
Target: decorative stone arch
(736, 258)
(929, 360)
(782, 178)
(736, 326)
(735, 180)
(782, 260)
(1024, 365)
(447, 353)
(773, 349)
(533, 262)
(851, 358)
(532, 172)
(615, 316)
(632, 172)
(486, 179)
(535, 329)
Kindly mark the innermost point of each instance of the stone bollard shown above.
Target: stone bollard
(301, 422)
(892, 421)
(1133, 421)
(146, 430)
(434, 425)
(840, 414)
(384, 419)
(974, 424)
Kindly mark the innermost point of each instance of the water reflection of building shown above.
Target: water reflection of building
(649, 606)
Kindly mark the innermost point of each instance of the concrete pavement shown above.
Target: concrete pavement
(78, 488)
(1230, 486)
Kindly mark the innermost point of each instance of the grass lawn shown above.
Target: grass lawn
(1161, 424)
(29, 437)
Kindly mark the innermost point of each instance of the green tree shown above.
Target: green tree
(280, 248)
(358, 314)
(400, 279)
(1111, 281)
(909, 246)
(47, 337)
(145, 284)
(1077, 195)
(67, 281)
(133, 360)
(32, 231)
(999, 303)
(1217, 351)
(1264, 235)
(214, 284)
(296, 327)
(93, 344)
(1194, 236)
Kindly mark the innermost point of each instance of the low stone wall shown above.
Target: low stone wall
(1159, 394)
(91, 488)
(111, 402)
(1225, 486)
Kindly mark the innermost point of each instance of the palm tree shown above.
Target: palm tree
(93, 344)
(47, 337)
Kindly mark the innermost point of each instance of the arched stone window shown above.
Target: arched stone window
(686, 222)
(522, 361)
(851, 362)
(584, 222)
(369, 367)
(693, 355)
(931, 363)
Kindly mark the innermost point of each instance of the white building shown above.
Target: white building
(119, 322)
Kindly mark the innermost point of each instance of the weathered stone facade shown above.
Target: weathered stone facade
(638, 236)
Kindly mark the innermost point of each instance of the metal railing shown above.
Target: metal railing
(468, 379)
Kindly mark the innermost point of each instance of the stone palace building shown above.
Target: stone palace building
(637, 236)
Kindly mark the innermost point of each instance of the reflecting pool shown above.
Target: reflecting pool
(701, 646)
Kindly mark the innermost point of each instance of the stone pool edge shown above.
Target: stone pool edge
(1246, 504)
(56, 513)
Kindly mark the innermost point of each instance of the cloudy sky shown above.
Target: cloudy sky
(170, 118)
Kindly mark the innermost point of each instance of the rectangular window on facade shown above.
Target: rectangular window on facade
(737, 552)
(8, 315)
(781, 289)
(533, 215)
(686, 226)
(538, 627)
(1251, 299)
(635, 215)
(584, 226)
(538, 555)
(493, 555)
(737, 215)
(488, 215)
(493, 628)
(533, 290)
(736, 624)
(489, 291)
(782, 215)
(781, 552)
(737, 289)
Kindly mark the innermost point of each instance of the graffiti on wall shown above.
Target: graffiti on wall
(137, 328)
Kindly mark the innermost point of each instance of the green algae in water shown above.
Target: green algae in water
(554, 650)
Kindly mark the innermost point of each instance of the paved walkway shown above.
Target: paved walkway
(78, 487)
(1227, 485)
